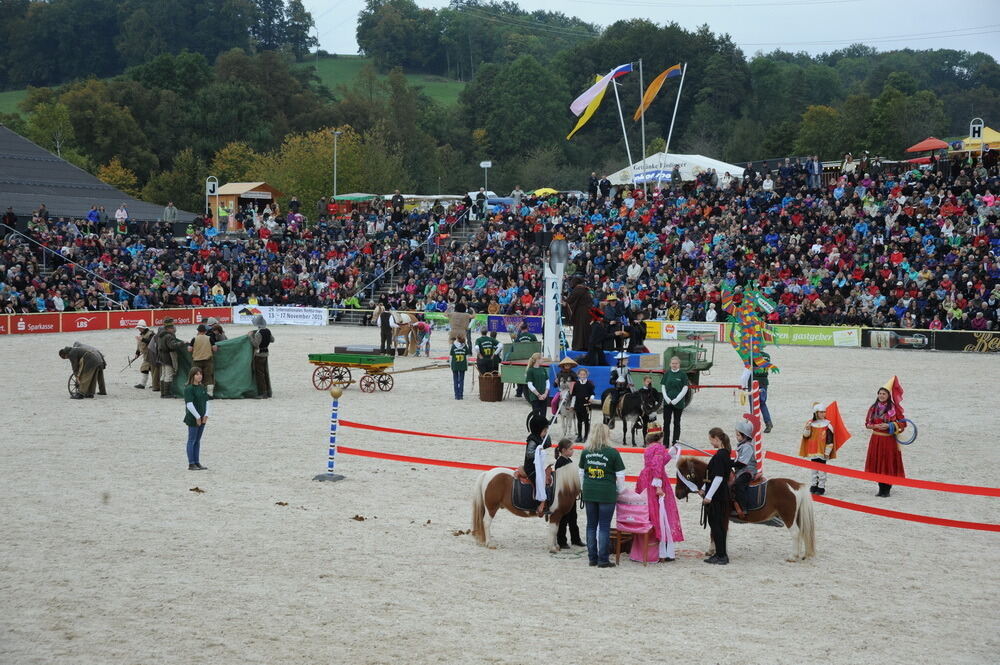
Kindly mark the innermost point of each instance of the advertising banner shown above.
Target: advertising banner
(4, 324)
(967, 340)
(816, 336)
(25, 324)
(498, 323)
(885, 338)
(181, 317)
(280, 316)
(128, 319)
(222, 314)
(680, 329)
(80, 321)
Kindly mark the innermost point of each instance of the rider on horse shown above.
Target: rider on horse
(745, 463)
(534, 458)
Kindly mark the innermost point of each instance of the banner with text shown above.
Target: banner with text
(501, 323)
(281, 316)
(816, 336)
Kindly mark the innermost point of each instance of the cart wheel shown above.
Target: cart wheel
(367, 383)
(384, 382)
(341, 375)
(322, 378)
(73, 385)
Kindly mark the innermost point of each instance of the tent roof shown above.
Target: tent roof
(658, 167)
(990, 137)
(929, 143)
(356, 196)
(238, 188)
(31, 175)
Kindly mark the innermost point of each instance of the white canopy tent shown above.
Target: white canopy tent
(657, 168)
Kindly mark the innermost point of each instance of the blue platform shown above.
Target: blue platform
(599, 376)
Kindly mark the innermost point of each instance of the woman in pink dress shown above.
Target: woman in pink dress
(660, 502)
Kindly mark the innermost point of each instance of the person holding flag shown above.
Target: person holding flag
(823, 435)
(885, 420)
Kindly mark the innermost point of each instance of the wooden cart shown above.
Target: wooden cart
(334, 369)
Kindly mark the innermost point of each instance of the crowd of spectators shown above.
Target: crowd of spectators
(880, 244)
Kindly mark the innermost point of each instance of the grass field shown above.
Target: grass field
(343, 69)
(10, 99)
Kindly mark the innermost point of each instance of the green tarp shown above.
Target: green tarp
(233, 369)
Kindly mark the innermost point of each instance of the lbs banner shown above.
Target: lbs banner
(281, 316)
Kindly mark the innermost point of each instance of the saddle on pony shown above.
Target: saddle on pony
(754, 497)
(522, 493)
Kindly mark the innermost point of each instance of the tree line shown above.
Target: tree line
(254, 113)
(48, 42)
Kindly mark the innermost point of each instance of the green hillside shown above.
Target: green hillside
(10, 99)
(343, 69)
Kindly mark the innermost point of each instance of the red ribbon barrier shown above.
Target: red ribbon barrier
(895, 514)
(393, 430)
(435, 462)
(880, 478)
(910, 517)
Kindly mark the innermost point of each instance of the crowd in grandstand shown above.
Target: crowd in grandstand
(880, 245)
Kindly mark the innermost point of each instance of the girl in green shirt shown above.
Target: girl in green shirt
(195, 416)
(602, 477)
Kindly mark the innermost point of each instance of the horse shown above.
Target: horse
(639, 407)
(493, 492)
(563, 411)
(785, 499)
(405, 335)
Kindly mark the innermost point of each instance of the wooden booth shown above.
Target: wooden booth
(234, 196)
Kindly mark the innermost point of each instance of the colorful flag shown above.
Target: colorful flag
(654, 89)
(591, 108)
(581, 103)
(840, 432)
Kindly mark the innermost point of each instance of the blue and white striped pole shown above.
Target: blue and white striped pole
(331, 460)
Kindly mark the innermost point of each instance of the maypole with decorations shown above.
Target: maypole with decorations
(555, 268)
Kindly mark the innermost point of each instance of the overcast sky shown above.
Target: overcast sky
(814, 26)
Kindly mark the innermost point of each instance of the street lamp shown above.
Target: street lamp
(335, 135)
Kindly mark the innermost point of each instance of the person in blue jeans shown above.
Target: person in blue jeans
(195, 417)
(762, 379)
(602, 477)
(459, 360)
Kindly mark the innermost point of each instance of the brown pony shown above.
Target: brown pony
(493, 492)
(786, 499)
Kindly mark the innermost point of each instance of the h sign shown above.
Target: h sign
(976, 128)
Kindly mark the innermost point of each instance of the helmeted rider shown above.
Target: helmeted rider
(745, 463)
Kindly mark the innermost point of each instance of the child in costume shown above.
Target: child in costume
(821, 438)
(654, 483)
(885, 420)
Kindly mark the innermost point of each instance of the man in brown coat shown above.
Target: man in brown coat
(458, 323)
(88, 367)
(579, 303)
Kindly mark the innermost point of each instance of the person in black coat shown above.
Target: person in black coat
(715, 493)
(637, 334)
(564, 456)
(581, 394)
(596, 341)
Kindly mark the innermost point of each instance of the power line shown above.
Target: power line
(958, 32)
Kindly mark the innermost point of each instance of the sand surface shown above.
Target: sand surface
(108, 557)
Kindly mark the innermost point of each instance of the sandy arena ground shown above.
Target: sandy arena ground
(108, 557)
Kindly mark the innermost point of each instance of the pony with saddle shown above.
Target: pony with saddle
(405, 335)
(638, 408)
(775, 502)
(499, 488)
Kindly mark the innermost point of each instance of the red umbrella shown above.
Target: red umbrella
(919, 160)
(929, 143)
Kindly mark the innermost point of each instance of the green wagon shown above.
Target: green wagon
(334, 369)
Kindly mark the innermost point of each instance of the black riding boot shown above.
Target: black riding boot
(883, 489)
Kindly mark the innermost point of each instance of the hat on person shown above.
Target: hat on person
(745, 428)
(141, 325)
(568, 361)
(537, 424)
(169, 321)
(259, 321)
(819, 406)
(212, 321)
(612, 297)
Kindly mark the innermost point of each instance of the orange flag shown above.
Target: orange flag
(840, 433)
(654, 89)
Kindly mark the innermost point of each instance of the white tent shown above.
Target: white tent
(657, 168)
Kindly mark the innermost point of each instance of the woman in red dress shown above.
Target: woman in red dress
(884, 420)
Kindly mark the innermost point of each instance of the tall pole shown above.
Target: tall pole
(677, 102)
(642, 122)
(335, 135)
(331, 457)
(628, 150)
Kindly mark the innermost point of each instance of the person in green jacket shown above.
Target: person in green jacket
(195, 417)
(488, 353)
(602, 477)
(674, 385)
(537, 383)
(459, 353)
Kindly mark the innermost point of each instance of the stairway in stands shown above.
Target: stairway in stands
(462, 235)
